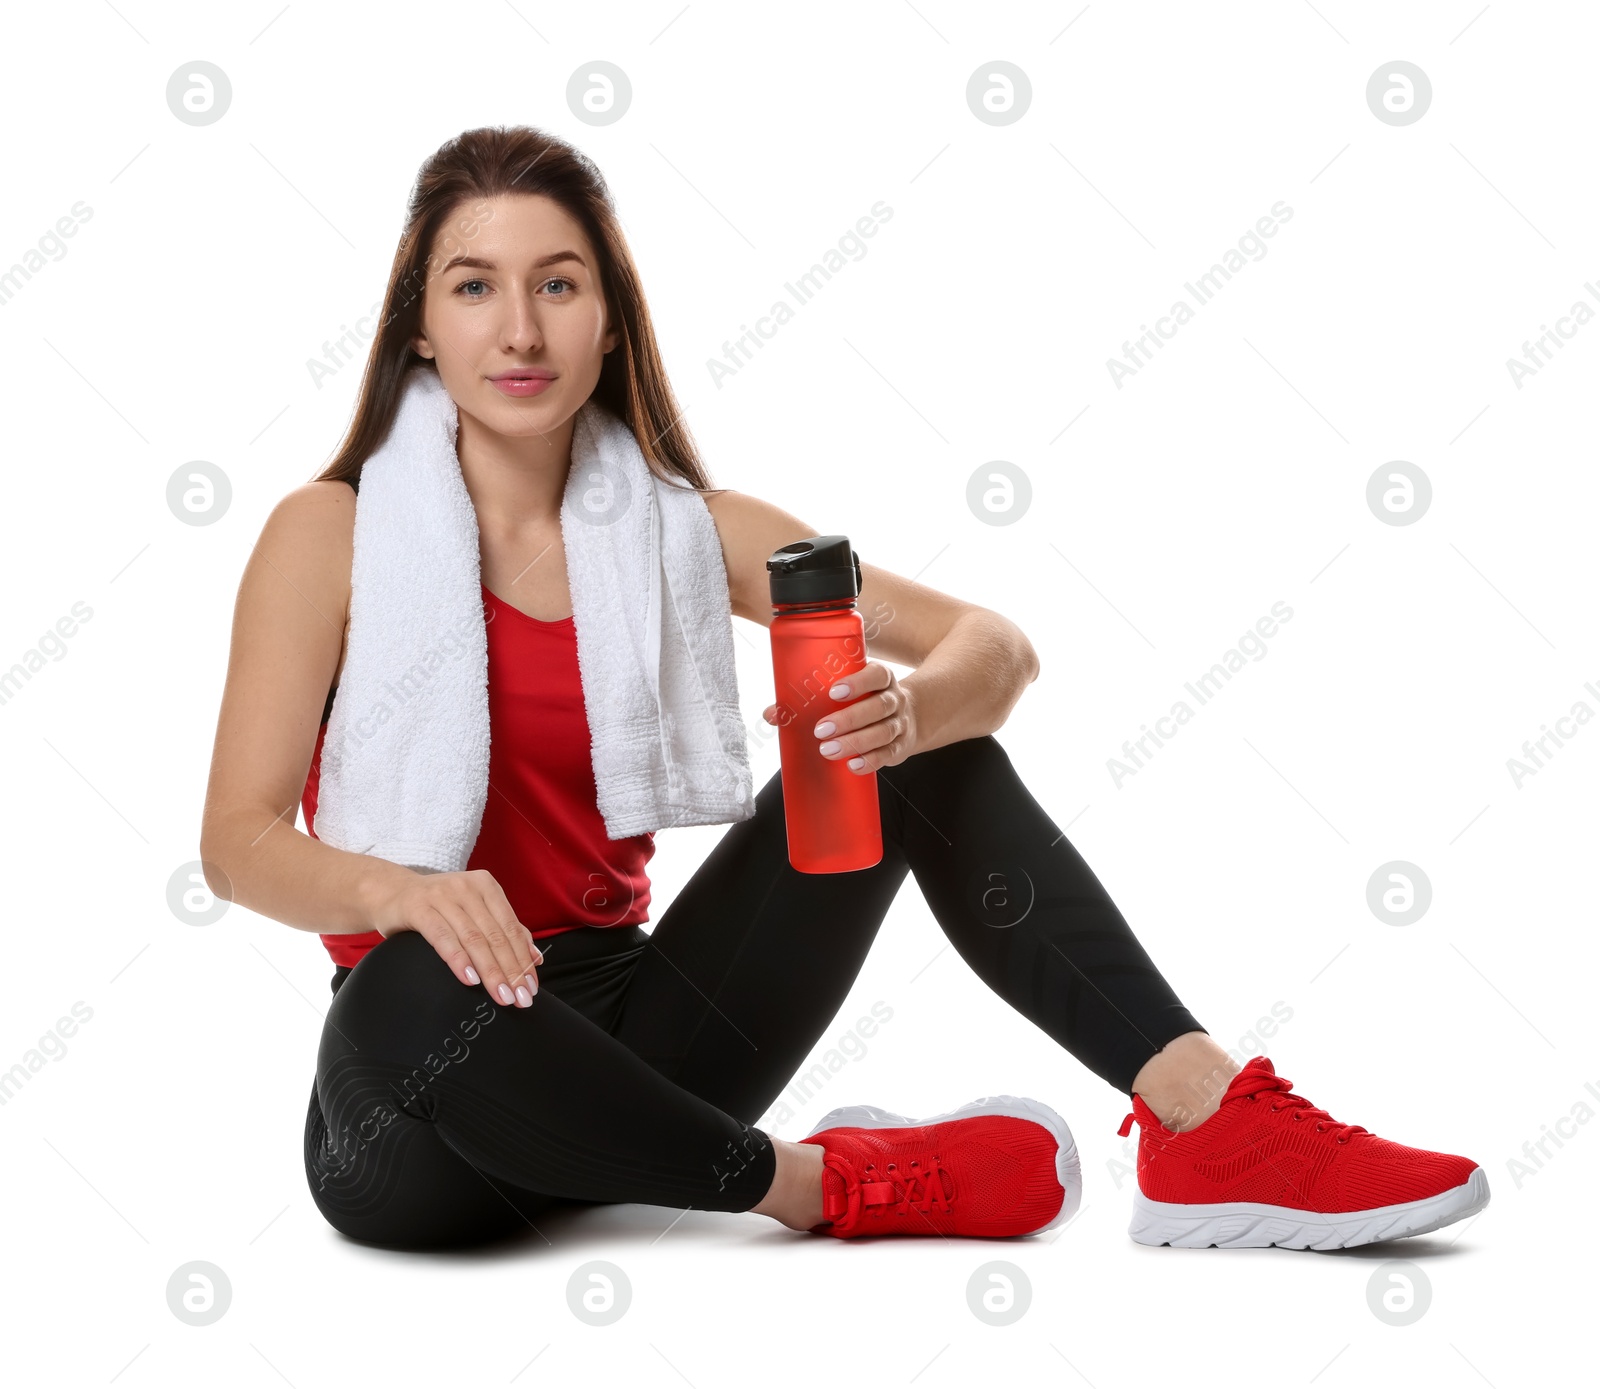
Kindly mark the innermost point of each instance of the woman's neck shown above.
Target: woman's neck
(515, 482)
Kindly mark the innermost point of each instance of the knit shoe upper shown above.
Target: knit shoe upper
(981, 1174)
(1267, 1145)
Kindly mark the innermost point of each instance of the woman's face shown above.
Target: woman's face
(522, 292)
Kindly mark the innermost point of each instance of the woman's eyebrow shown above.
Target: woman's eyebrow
(478, 263)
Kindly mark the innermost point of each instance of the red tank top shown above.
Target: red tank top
(542, 834)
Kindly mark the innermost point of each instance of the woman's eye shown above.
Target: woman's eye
(463, 290)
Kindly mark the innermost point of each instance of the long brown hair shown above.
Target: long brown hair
(459, 176)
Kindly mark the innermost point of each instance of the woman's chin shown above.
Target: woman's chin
(519, 419)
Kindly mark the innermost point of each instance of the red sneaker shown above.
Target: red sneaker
(998, 1166)
(1270, 1168)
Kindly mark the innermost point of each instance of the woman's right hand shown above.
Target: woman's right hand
(467, 919)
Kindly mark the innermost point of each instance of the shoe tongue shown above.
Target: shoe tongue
(1256, 1065)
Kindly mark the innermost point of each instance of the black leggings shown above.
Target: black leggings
(440, 1118)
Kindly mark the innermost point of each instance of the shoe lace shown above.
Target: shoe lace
(1252, 1084)
(898, 1187)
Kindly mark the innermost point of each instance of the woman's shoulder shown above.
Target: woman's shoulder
(309, 536)
(318, 508)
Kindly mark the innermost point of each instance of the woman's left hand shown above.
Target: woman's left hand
(878, 728)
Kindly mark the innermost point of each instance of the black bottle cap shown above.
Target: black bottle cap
(823, 569)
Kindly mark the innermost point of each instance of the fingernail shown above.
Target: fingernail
(823, 729)
(533, 983)
(838, 692)
(524, 998)
(856, 763)
(505, 993)
(828, 749)
(472, 976)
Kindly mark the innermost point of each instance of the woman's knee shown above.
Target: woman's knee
(401, 990)
(407, 966)
(951, 762)
(406, 954)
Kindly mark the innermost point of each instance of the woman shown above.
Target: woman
(636, 1071)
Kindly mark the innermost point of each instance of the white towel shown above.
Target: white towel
(405, 761)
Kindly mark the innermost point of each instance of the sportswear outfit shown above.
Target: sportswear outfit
(439, 1117)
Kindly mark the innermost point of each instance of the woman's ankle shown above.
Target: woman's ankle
(795, 1197)
(1184, 1082)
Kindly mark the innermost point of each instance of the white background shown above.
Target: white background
(1229, 474)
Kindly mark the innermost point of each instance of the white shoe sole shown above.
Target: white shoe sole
(1069, 1172)
(1251, 1225)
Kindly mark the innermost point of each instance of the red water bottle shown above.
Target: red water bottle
(830, 812)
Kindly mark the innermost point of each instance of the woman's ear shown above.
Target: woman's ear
(421, 346)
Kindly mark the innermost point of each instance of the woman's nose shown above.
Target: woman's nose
(519, 328)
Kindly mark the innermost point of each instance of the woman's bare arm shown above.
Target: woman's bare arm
(288, 638)
(288, 634)
(970, 664)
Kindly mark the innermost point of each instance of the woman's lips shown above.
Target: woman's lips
(522, 386)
